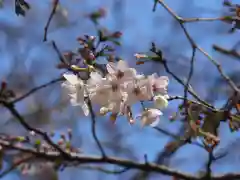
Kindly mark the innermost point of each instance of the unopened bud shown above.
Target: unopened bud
(140, 56)
(37, 143)
(140, 62)
(103, 111)
(32, 133)
(21, 138)
(198, 122)
(117, 34)
(91, 38)
(173, 117)
(81, 40)
(113, 117)
(63, 136)
(60, 141)
(131, 121)
(3, 85)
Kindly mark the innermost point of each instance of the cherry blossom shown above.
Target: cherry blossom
(76, 90)
(159, 84)
(139, 90)
(104, 90)
(150, 117)
(120, 71)
(116, 92)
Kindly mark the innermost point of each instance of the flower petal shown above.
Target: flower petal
(95, 78)
(69, 88)
(85, 109)
(162, 82)
(122, 65)
(156, 122)
(111, 68)
(71, 78)
(74, 102)
(155, 112)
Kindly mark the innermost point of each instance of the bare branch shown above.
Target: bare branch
(85, 159)
(93, 118)
(231, 52)
(15, 113)
(193, 44)
(36, 89)
(54, 8)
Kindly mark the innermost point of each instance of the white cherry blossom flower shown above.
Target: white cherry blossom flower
(159, 84)
(120, 71)
(150, 117)
(76, 90)
(104, 90)
(97, 89)
(139, 90)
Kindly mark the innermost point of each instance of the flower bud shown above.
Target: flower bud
(117, 34)
(198, 122)
(140, 56)
(160, 101)
(103, 111)
(3, 85)
(139, 62)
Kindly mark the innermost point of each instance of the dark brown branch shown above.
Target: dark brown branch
(35, 90)
(190, 75)
(208, 165)
(85, 159)
(190, 90)
(93, 128)
(194, 45)
(54, 8)
(116, 172)
(60, 56)
(15, 113)
(171, 98)
(231, 52)
(15, 165)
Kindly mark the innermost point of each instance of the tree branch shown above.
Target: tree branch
(194, 45)
(54, 8)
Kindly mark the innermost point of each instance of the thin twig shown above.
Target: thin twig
(177, 137)
(189, 20)
(21, 120)
(190, 90)
(190, 75)
(93, 127)
(35, 90)
(230, 52)
(60, 56)
(193, 44)
(15, 165)
(54, 8)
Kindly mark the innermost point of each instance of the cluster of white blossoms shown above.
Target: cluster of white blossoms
(121, 88)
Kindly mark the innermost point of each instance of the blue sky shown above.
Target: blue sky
(21, 41)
